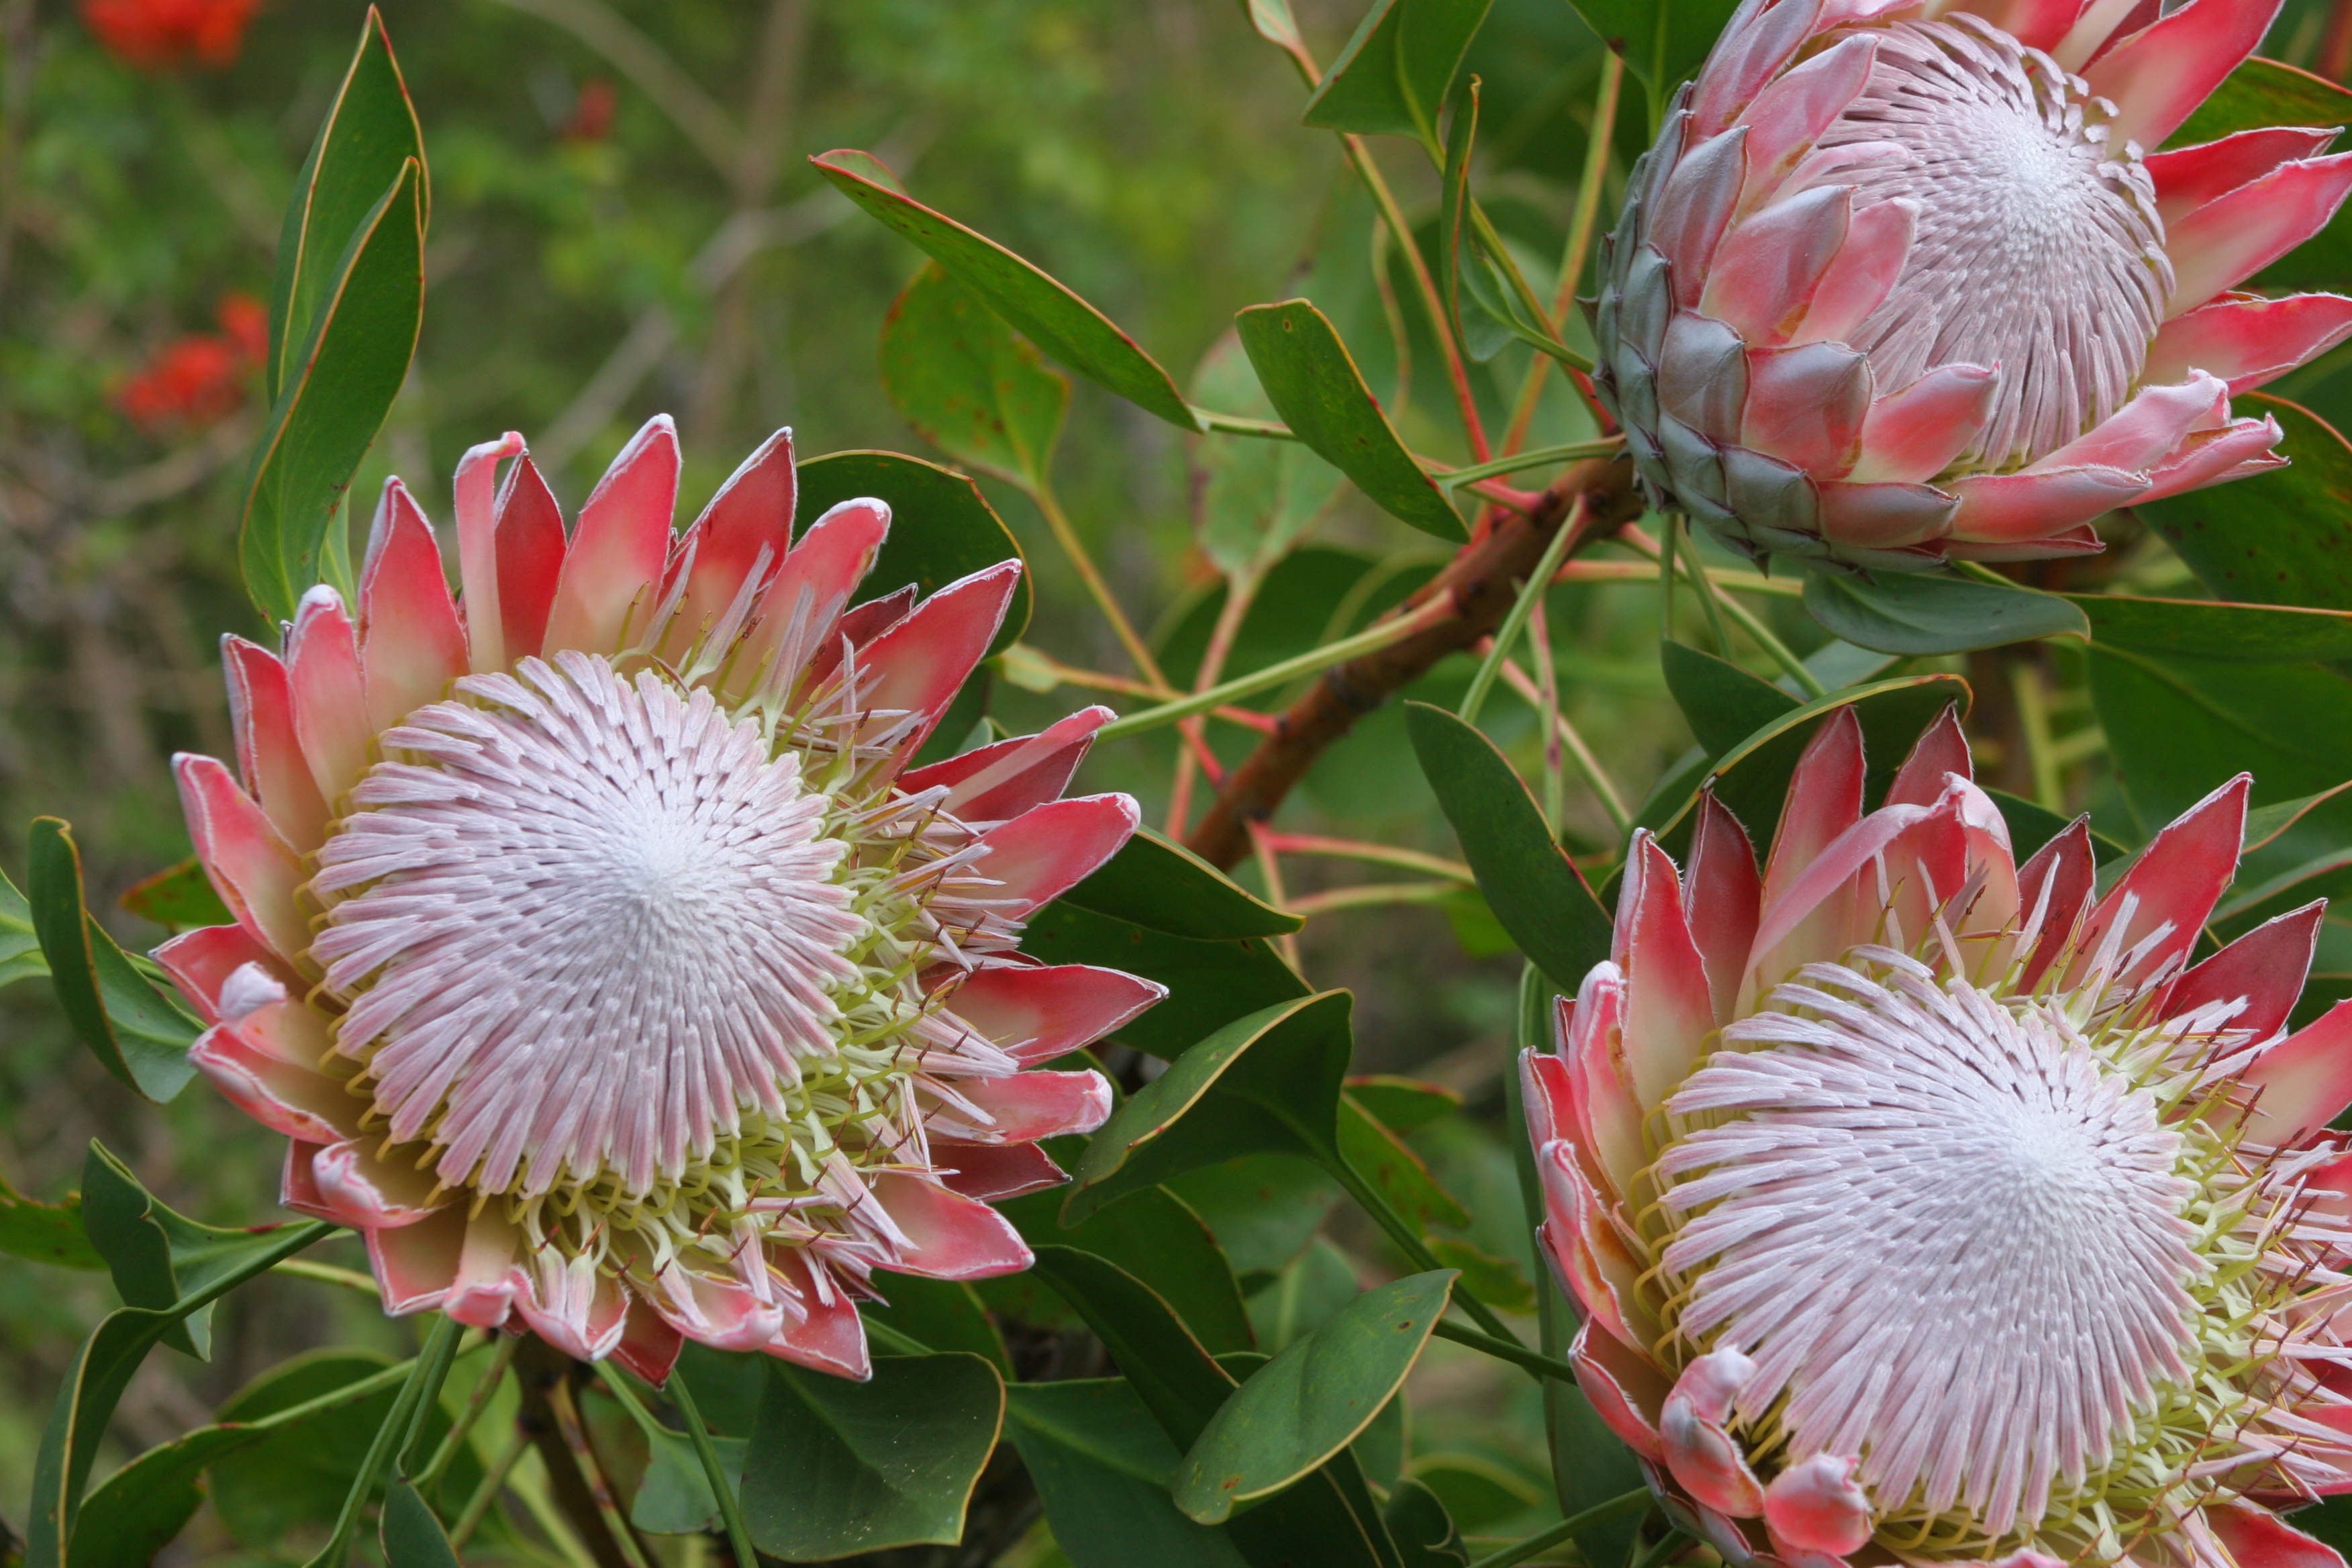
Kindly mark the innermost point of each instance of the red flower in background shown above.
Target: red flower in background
(200, 378)
(162, 34)
(591, 117)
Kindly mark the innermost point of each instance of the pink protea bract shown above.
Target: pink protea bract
(597, 950)
(1903, 281)
(1928, 1208)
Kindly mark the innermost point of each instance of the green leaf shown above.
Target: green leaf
(335, 395)
(956, 373)
(45, 1233)
(1722, 702)
(2276, 538)
(1101, 1464)
(2263, 92)
(369, 133)
(1752, 777)
(137, 1033)
(92, 1385)
(179, 897)
(1266, 1083)
(836, 1468)
(1327, 1519)
(2205, 628)
(135, 1513)
(1424, 1530)
(1403, 1104)
(1253, 498)
(675, 1499)
(2031, 825)
(411, 1535)
(1310, 1400)
(1401, 1175)
(1662, 40)
(1210, 984)
(1272, 20)
(1304, 1296)
(1262, 1208)
(1159, 884)
(941, 529)
(1042, 308)
(1153, 1235)
(939, 1315)
(20, 943)
(1497, 1281)
(1540, 898)
(1916, 613)
(158, 1257)
(1397, 68)
(1313, 382)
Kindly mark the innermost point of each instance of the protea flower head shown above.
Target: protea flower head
(1904, 280)
(1928, 1208)
(593, 946)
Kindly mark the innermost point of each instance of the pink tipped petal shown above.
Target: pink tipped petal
(2036, 23)
(1627, 1390)
(1591, 1259)
(2249, 341)
(1045, 852)
(531, 560)
(1923, 429)
(268, 752)
(993, 783)
(749, 520)
(2170, 888)
(367, 1194)
(725, 1314)
(1029, 1106)
(490, 1280)
(2146, 430)
(1604, 1113)
(832, 1337)
(2100, 27)
(199, 962)
(2265, 969)
(1037, 1014)
(1806, 405)
(1824, 800)
(1999, 509)
(411, 644)
(1668, 1008)
(1877, 243)
(1722, 892)
(2243, 447)
(479, 549)
(322, 669)
(2236, 236)
(1753, 49)
(2188, 177)
(613, 571)
(294, 1098)
(1703, 1457)
(1766, 268)
(1546, 1089)
(2159, 76)
(1940, 750)
(1884, 516)
(992, 1172)
(296, 1190)
(257, 874)
(2054, 891)
(949, 1236)
(1816, 1505)
(795, 616)
(1788, 115)
(571, 1305)
(1818, 917)
(2304, 1082)
(415, 1265)
(649, 1346)
(918, 664)
(2257, 1538)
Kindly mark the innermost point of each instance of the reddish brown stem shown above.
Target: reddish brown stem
(1484, 581)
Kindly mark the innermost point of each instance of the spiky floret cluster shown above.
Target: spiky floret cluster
(1926, 1206)
(596, 949)
(1905, 281)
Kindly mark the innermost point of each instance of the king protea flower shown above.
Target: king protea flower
(592, 947)
(1928, 1208)
(1902, 282)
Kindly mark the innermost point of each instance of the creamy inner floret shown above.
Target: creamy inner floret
(2039, 247)
(585, 926)
(1966, 1243)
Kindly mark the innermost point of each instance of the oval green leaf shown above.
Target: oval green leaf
(957, 373)
(942, 528)
(1155, 1236)
(1722, 702)
(1101, 1464)
(1157, 883)
(1310, 1401)
(1047, 311)
(1930, 613)
(1396, 70)
(1313, 382)
(136, 1032)
(2206, 628)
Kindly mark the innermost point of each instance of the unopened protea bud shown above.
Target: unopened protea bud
(596, 951)
(1902, 282)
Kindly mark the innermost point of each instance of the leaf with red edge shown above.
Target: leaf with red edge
(179, 897)
(1046, 311)
(137, 1033)
(959, 375)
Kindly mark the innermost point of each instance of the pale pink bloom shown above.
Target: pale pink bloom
(1902, 280)
(1924, 1206)
(595, 951)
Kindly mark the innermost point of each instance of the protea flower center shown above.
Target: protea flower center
(2038, 246)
